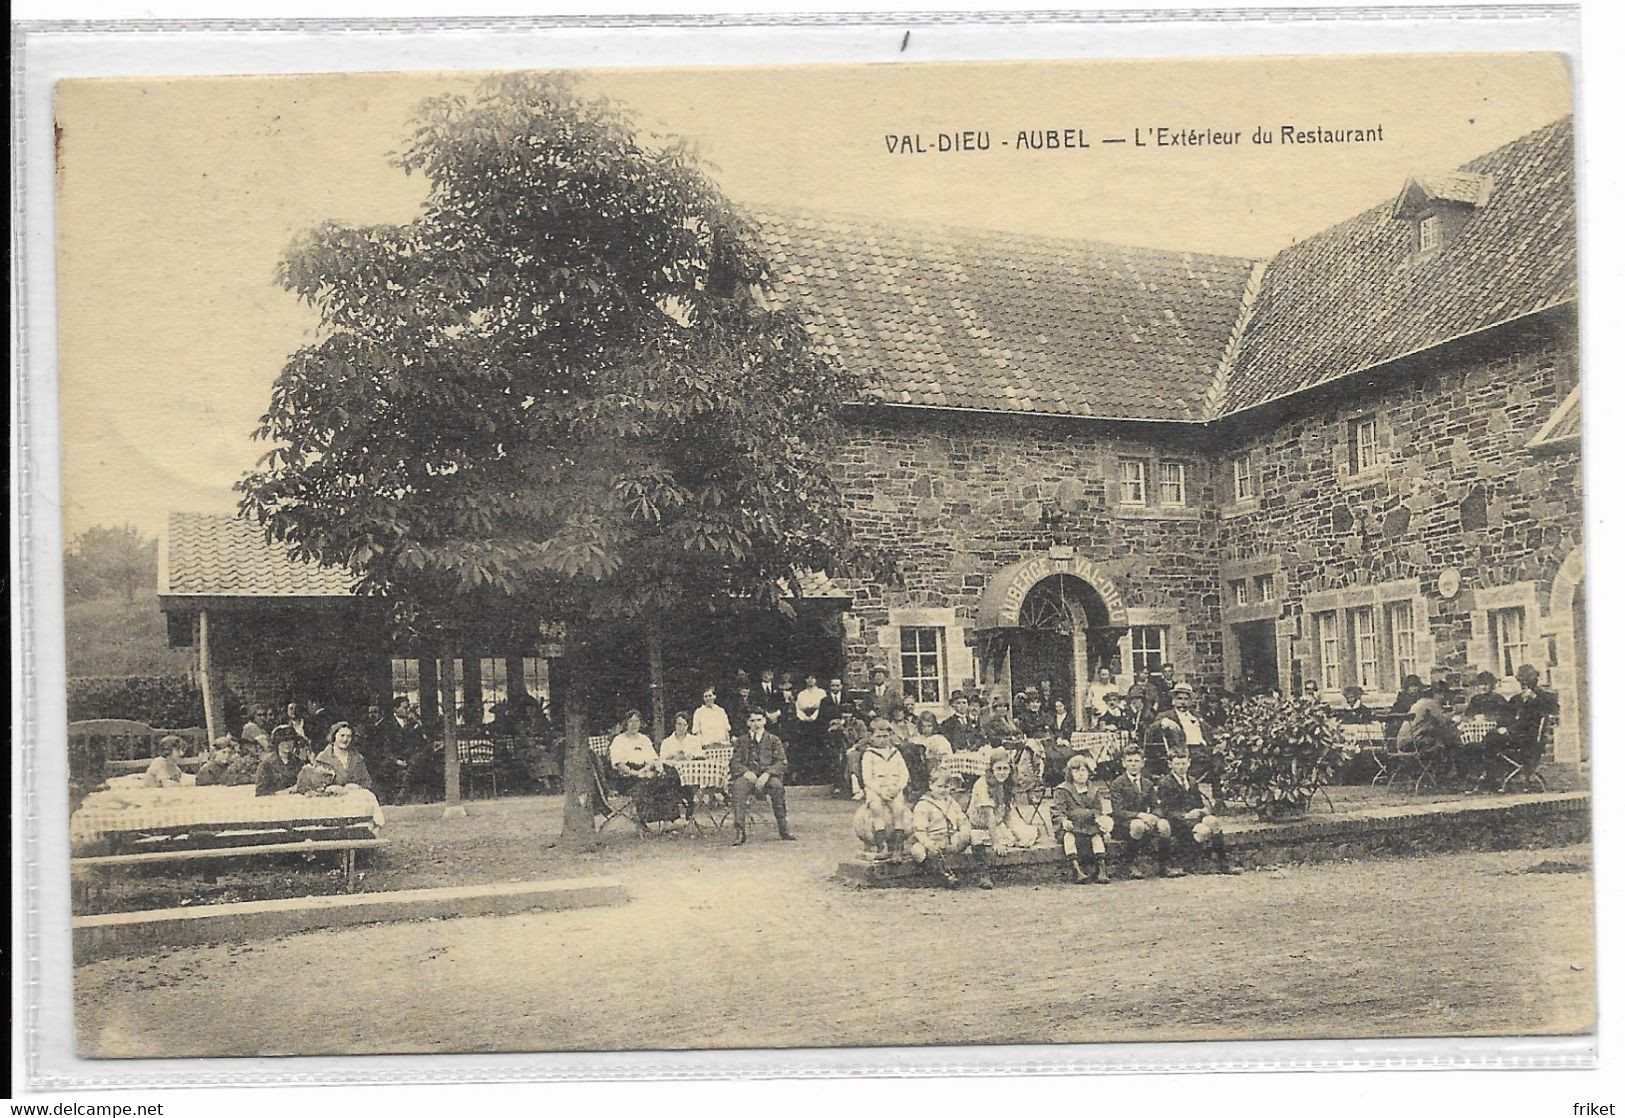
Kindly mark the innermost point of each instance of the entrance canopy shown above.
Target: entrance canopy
(1000, 607)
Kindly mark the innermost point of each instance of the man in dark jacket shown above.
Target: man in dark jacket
(757, 769)
(1194, 827)
(1137, 820)
(1533, 711)
(1183, 729)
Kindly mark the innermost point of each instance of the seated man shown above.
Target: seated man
(1429, 730)
(757, 768)
(1533, 709)
(1193, 826)
(1138, 822)
(214, 770)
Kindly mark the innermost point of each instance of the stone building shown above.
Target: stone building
(1356, 460)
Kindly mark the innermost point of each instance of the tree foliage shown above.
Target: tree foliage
(103, 561)
(568, 384)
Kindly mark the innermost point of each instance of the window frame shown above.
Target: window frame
(916, 657)
(1141, 652)
(1238, 592)
(1401, 652)
(1328, 639)
(1500, 647)
(1367, 668)
(408, 669)
(1264, 584)
(1177, 483)
(1241, 474)
(1364, 454)
(1429, 233)
(1124, 482)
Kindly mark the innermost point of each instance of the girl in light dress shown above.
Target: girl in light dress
(996, 827)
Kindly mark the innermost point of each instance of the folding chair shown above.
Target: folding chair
(612, 802)
(1528, 770)
(1420, 761)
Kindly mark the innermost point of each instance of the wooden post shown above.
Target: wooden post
(448, 735)
(214, 715)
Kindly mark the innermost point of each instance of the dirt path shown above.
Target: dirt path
(759, 948)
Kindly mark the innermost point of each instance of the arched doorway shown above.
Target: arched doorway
(1062, 633)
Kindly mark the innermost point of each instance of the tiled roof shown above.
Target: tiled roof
(1452, 186)
(993, 321)
(218, 556)
(1355, 296)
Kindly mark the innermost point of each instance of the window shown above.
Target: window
(1238, 591)
(403, 680)
(1331, 673)
(536, 680)
(1430, 233)
(1132, 491)
(1266, 588)
(1362, 444)
(456, 684)
(1243, 467)
(493, 686)
(923, 663)
(1171, 483)
(1402, 639)
(1145, 648)
(1509, 639)
(1365, 647)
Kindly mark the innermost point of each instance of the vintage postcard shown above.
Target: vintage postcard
(827, 556)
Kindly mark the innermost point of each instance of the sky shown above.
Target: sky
(177, 197)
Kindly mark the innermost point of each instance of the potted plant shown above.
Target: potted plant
(1278, 753)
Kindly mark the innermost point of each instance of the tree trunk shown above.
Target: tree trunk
(579, 832)
(657, 682)
(448, 733)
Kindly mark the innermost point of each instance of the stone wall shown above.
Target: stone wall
(957, 498)
(1455, 486)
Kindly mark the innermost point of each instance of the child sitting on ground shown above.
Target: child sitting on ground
(1193, 826)
(996, 826)
(1081, 823)
(941, 827)
(884, 820)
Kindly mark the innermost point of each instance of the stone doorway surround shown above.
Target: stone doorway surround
(1568, 638)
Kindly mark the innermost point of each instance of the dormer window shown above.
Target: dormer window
(1437, 207)
(1430, 234)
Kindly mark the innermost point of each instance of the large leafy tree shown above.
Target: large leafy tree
(567, 390)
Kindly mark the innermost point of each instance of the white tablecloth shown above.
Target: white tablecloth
(126, 810)
(710, 771)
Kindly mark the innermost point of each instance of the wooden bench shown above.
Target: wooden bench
(126, 746)
(86, 868)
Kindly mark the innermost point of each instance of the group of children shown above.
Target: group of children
(1165, 817)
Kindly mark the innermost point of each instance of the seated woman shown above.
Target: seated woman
(349, 767)
(632, 757)
(941, 827)
(165, 770)
(996, 826)
(680, 745)
(279, 770)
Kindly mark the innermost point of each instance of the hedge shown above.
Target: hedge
(165, 702)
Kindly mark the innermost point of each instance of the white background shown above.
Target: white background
(1210, 1095)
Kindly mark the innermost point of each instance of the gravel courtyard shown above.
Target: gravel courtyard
(760, 947)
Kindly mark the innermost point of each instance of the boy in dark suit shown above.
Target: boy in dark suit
(1137, 818)
(1193, 826)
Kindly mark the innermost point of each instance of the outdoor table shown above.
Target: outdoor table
(965, 765)
(1370, 739)
(189, 817)
(708, 776)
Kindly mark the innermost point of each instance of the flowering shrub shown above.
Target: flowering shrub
(1278, 753)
